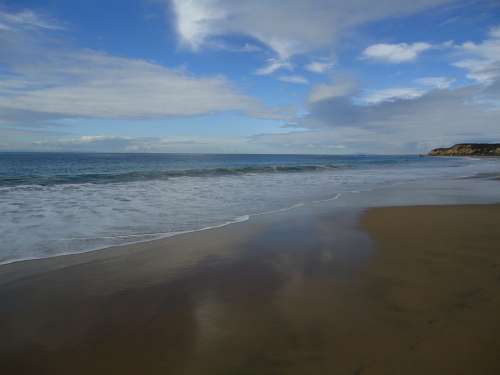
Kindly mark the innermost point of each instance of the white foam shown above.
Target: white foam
(293, 206)
(157, 236)
(334, 198)
(46, 221)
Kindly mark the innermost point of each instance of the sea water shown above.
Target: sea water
(61, 203)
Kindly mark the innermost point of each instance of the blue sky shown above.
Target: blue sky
(297, 76)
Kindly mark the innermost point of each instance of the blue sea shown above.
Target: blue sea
(61, 203)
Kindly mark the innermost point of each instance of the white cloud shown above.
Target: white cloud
(43, 82)
(195, 20)
(319, 66)
(436, 118)
(479, 70)
(26, 19)
(495, 32)
(273, 65)
(224, 46)
(330, 91)
(403, 119)
(287, 27)
(482, 60)
(108, 143)
(335, 141)
(395, 53)
(294, 79)
(409, 121)
(92, 84)
(437, 82)
(392, 94)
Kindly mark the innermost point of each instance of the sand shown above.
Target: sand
(407, 290)
(437, 276)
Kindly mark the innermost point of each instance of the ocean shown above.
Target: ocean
(62, 203)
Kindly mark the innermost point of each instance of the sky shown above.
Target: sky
(255, 76)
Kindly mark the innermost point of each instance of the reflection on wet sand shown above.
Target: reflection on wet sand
(232, 298)
(289, 293)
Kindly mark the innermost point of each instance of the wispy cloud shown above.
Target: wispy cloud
(482, 60)
(430, 113)
(287, 27)
(44, 77)
(437, 118)
(273, 65)
(294, 79)
(392, 94)
(109, 143)
(26, 19)
(319, 66)
(47, 82)
(395, 53)
(399, 119)
(329, 91)
(437, 82)
(93, 84)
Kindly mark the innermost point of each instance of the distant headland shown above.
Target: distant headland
(468, 149)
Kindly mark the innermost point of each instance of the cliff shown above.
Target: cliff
(468, 149)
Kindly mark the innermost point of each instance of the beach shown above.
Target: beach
(373, 291)
(216, 187)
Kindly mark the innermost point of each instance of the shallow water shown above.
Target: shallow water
(53, 204)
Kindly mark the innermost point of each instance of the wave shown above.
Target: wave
(136, 238)
(482, 175)
(106, 178)
(141, 238)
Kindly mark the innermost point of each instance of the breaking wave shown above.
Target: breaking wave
(107, 178)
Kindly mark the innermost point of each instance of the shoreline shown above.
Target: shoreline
(314, 289)
(161, 236)
(167, 235)
(59, 220)
(405, 190)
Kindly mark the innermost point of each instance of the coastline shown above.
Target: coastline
(315, 289)
(476, 188)
(58, 218)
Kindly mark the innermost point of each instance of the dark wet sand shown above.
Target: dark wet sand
(412, 290)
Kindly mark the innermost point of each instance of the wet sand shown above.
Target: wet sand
(436, 273)
(408, 290)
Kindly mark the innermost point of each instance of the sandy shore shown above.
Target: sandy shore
(437, 277)
(408, 290)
